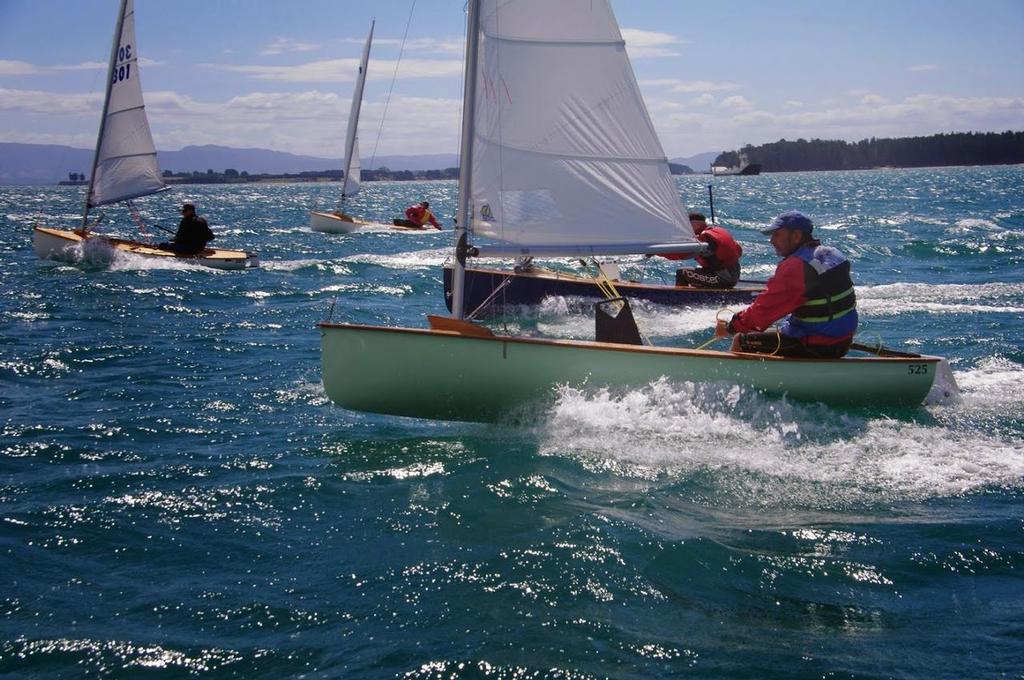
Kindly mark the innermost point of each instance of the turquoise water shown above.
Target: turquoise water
(178, 497)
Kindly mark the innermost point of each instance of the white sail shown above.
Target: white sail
(564, 152)
(352, 178)
(125, 164)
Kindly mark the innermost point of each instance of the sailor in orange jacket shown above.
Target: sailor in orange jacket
(720, 266)
(419, 215)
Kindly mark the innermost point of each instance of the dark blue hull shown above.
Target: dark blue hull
(532, 287)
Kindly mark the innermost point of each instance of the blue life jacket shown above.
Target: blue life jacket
(831, 305)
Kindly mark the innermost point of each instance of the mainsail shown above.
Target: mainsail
(351, 187)
(125, 165)
(563, 150)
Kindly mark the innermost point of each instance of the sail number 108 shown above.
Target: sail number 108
(124, 71)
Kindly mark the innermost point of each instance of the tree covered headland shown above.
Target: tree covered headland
(957, 148)
(233, 176)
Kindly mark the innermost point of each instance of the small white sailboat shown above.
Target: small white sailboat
(125, 166)
(559, 158)
(337, 221)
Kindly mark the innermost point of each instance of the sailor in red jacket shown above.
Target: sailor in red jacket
(419, 215)
(811, 288)
(720, 266)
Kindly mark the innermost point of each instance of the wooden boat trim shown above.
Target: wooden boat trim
(458, 326)
(615, 347)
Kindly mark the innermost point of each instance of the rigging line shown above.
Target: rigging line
(490, 298)
(387, 100)
(501, 129)
(605, 285)
(137, 218)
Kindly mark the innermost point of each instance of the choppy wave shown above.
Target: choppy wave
(940, 298)
(790, 453)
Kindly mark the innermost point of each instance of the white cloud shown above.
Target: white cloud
(692, 130)
(687, 86)
(311, 122)
(282, 45)
(17, 68)
(794, 104)
(738, 102)
(641, 44)
(344, 70)
(922, 67)
(79, 140)
(704, 86)
(50, 103)
(873, 100)
(704, 100)
(23, 68)
(452, 46)
(82, 66)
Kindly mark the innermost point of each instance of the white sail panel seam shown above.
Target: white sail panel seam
(542, 41)
(650, 160)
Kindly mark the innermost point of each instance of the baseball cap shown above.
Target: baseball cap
(791, 219)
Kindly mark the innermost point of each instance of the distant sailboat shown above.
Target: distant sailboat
(338, 222)
(559, 158)
(125, 165)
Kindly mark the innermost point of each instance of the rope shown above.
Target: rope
(490, 298)
(716, 336)
(387, 101)
(605, 285)
(137, 218)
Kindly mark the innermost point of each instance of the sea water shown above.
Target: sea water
(178, 496)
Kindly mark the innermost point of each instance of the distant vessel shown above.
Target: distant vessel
(125, 167)
(338, 221)
(744, 167)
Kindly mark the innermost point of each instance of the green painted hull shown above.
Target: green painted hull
(441, 375)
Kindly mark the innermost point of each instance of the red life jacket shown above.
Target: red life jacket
(414, 213)
(726, 251)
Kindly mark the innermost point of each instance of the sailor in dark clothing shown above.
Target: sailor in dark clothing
(193, 233)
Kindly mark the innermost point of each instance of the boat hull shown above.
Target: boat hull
(332, 223)
(531, 287)
(68, 246)
(443, 375)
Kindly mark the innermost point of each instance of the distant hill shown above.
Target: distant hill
(700, 162)
(51, 163)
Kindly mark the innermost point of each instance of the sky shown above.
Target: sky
(715, 75)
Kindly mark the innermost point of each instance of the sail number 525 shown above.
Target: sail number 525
(917, 369)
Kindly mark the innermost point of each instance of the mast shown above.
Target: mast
(352, 134)
(106, 107)
(465, 212)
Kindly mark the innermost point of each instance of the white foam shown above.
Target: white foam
(785, 452)
(898, 298)
(568, 317)
(417, 259)
(295, 265)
